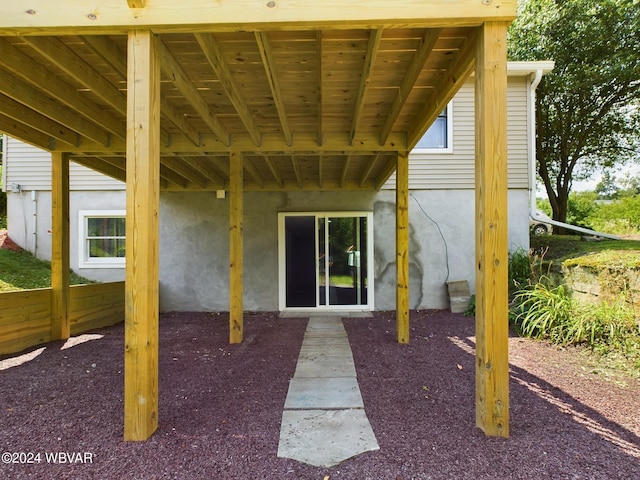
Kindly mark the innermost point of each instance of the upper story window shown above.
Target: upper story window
(102, 238)
(438, 139)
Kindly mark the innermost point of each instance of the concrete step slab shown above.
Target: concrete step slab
(321, 392)
(324, 438)
(326, 367)
(317, 351)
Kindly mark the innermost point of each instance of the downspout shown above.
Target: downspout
(34, 200)
(532, 168)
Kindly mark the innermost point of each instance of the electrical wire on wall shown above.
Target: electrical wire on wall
(444, 241)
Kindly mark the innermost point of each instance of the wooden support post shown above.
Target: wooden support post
(402, 247)
(60, 263)
(236, 171)
(142, 244)
(492, 326)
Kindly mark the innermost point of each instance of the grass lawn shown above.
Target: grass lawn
(563, 247)
(21, 271)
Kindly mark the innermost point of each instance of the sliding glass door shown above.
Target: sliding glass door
(325, 260)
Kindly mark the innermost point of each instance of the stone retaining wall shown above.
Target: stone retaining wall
(594, 285)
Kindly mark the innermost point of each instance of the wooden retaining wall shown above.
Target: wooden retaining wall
(25, 315)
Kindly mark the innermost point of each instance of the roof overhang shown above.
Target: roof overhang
(524, 69)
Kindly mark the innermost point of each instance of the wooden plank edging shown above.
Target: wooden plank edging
(25, 315)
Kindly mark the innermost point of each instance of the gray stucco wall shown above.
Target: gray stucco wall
(194, 245)
(194, 241)
(441, 246)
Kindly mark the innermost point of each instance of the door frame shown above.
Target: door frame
(282, 266)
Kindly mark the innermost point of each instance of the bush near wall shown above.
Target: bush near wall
(3, 208)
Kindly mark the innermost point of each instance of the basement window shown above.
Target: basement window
(102, 238)
(438, 139)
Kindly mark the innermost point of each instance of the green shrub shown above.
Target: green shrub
(620, 217)
(581, 206)
(543, 311)
(519, 269)
(605, 327)
(3, 209)
(547, 311)
(471, 308)
(524, 271)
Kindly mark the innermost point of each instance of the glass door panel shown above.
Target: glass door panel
(300, 251)
(326, 260)
(346, 248)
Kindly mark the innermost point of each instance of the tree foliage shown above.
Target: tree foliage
(588, 107)
(580, 208)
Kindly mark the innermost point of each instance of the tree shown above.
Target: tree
(607, 188)
(630, 186)
(588, 107)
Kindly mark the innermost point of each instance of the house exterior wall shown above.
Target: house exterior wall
(30, 168)
(194, 244)
(455, 169)
(28, 184)
(194, 226)
(22, 223)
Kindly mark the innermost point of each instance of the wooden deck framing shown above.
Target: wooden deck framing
(142, 243)
(254, 95)
(60, 256)
(492, 326)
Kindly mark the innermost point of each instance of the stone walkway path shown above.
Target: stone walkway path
(324, 421)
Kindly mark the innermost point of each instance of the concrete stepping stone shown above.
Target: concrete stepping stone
(324, 421)
(313, 366)
(324, 438)
(323, 392)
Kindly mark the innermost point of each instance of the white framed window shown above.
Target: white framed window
(439, 137)
(101, 241)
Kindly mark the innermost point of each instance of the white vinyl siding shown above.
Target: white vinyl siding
(30, 167)
(455, 170)
(518, 132)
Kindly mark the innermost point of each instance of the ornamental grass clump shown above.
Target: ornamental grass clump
(547, 311)
(606, 327)
(543, 311)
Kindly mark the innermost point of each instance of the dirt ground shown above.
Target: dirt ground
(7, 243)
(220, 406)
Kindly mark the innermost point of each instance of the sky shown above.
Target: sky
(590, 184)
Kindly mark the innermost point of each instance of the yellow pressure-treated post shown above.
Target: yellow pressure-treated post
(402, 248)
(236, 171)
(492, 360)
(142, 244)
(60, 262)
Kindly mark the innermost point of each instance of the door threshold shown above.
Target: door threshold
(326, 313)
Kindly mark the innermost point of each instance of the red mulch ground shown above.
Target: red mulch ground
(7, 243)
(221, 405)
